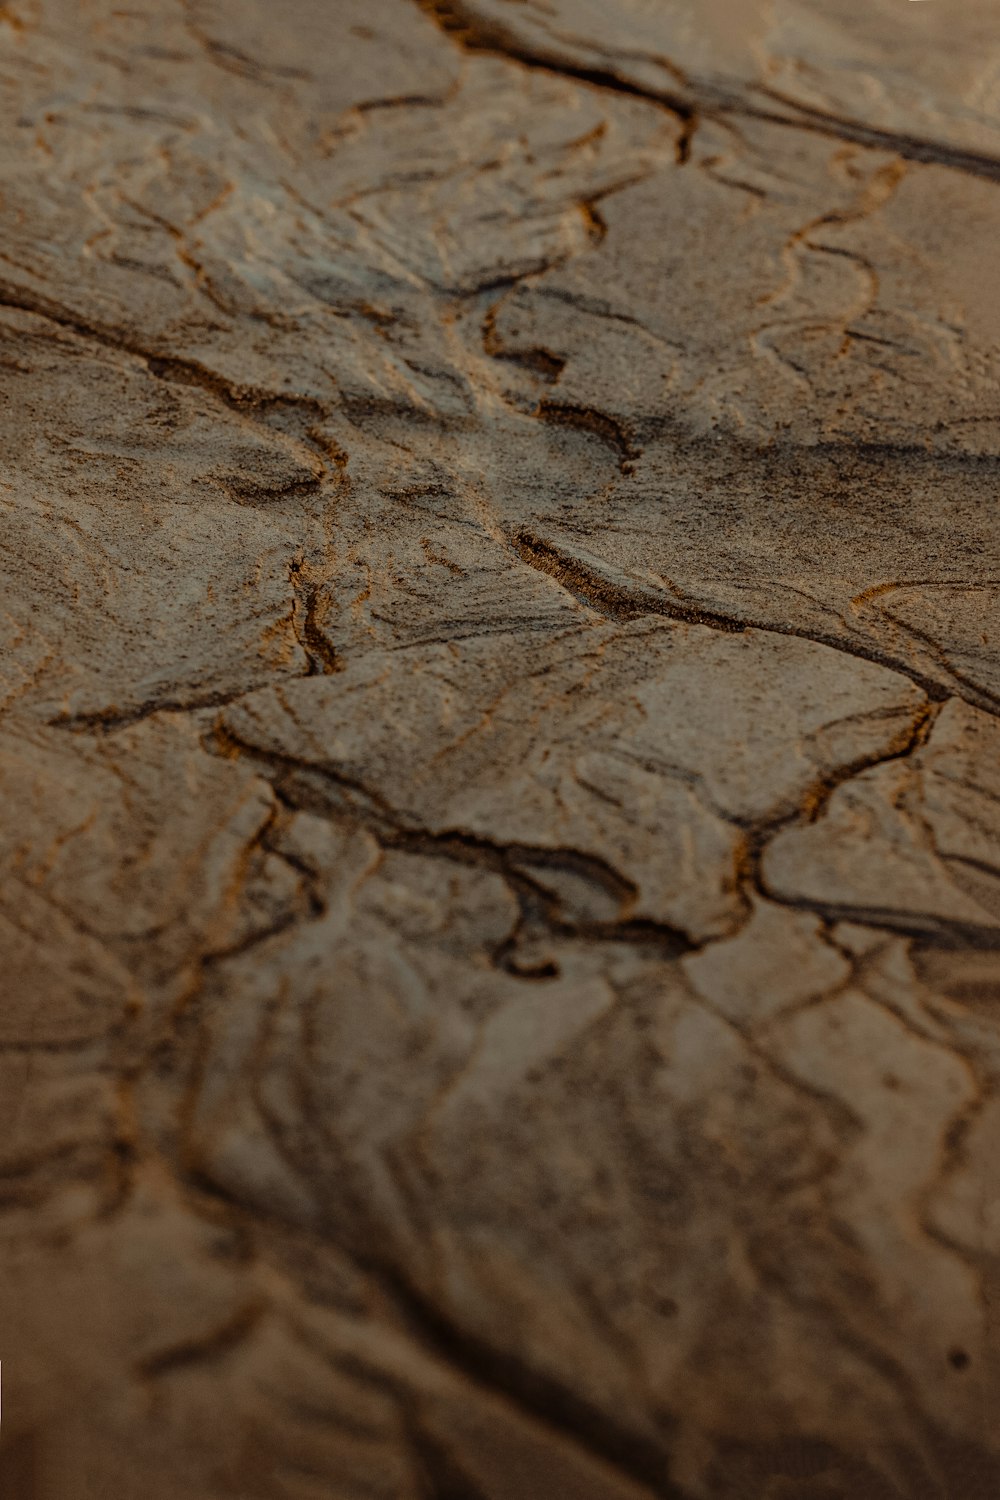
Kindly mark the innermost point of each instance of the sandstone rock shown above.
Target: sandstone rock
(500, 911)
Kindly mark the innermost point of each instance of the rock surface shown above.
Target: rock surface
(500, 917)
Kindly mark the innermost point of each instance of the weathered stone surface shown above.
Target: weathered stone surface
(500, 917)
(875, 68)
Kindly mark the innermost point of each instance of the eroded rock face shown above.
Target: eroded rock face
(500, 919)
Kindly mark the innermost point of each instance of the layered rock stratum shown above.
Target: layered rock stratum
(500, 771)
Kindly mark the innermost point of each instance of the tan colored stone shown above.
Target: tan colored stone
(499, 914)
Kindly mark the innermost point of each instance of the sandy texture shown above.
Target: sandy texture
(500, 774)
